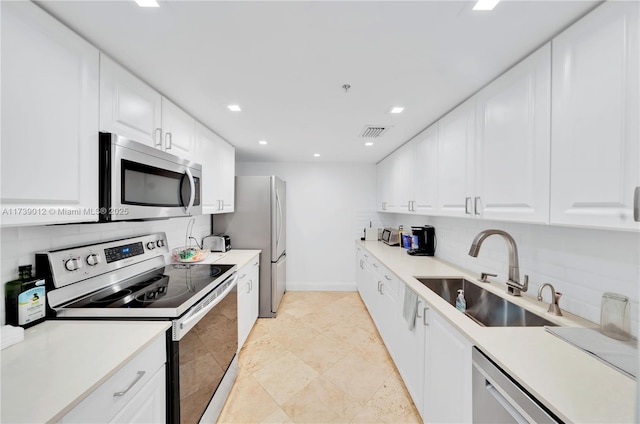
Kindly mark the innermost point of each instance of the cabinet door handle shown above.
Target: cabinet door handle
(157, 140)
(138, 377)
(375, 264)
(242, 276)
(476, 209)
(424, 316)
(168, 141)
(418, 310)
(636, 204)
(248, 287)
(387, 277)
(381, 288)
(466, 205)
(379, 282)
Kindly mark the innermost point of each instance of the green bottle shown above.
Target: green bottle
(25, 301)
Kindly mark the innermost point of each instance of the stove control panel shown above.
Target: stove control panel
(75, 264)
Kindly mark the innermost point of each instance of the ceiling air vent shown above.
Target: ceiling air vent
(373, 131)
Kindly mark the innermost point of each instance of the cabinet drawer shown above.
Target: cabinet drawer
(103, 404)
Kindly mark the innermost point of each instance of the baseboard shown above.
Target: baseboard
(326, 286)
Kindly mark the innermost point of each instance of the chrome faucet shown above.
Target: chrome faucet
(554, 308)
(513, 283)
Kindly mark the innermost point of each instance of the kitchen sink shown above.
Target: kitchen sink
(484, 307)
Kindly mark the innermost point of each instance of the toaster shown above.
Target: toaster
(390, 236)
(217, 243)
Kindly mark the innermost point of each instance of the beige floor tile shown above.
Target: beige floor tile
(320, 361)
(248, 402)
(321, 352)
(359, 376)
(285, 377)
(258, 352)
(346, 332)
(325, 396)
(278, 417)
(392, 403)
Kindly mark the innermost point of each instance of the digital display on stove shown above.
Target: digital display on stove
(122, 252)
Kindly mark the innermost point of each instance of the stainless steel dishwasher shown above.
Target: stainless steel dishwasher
(498, 399)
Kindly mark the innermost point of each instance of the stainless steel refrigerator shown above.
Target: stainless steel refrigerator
(259, 222)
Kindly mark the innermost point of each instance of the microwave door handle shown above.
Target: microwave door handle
(192, 197)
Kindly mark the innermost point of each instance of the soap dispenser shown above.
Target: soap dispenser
(461, 304)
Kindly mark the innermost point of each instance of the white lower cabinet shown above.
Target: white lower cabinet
(134, 394)
(248, 298)
(433, 358)
(447, 373)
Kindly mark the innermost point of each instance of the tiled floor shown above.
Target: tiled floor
(320, 361)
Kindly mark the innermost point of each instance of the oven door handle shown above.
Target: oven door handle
(205, 310)
(192, 197)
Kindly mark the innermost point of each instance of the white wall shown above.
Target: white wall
(328, 205)
(580, 263)
(19, 244)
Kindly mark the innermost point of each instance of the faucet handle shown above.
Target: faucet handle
(484, 275)
(525, 285)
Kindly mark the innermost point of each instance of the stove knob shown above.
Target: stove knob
(160, 243)
(151, 245)
(72, 264)
(93, 259)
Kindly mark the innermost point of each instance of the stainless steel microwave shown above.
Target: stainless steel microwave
(139, 182)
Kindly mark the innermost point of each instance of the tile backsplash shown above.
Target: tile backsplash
(581, 263)
(19, 244)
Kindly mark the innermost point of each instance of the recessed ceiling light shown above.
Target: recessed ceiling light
(262, 142)
(369, 143)
(316, 155)
(485, 4)
(234, 108)
(147, 3)
(397, 109)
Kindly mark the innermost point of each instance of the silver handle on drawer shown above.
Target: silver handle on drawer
(505, 404)
(242, 276)
(387, 277)
(636, 204)
(376, 265)
(138, 377)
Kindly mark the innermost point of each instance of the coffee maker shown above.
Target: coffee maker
(424, 241)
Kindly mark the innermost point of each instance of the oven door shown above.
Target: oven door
(202, 355)
(140, 182)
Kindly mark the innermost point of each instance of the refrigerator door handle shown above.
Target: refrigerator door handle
(279, 218)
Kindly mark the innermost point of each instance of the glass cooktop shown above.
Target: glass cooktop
(167, 287)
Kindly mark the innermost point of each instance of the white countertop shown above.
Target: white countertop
(239, 257)
(59, 363)
(574, 385)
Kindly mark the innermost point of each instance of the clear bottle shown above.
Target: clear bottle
(461, 303)
(25, 299)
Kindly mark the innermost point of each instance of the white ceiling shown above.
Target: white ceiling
(285, 63)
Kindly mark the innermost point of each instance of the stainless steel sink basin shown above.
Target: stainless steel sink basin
(484, 307)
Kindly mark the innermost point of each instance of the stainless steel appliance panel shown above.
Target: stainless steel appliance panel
(278, 281)
(259, 222)
(497, 399)
(204, 339)
(278, 218)
(140, 182)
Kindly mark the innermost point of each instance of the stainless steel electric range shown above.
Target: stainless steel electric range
(131, 279)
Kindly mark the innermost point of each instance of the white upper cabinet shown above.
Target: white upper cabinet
(131, 108)
(424, 186)
(455, 157)
(128, 106)
(385, 183)
(218, 170)
(595, 123)
(49, 120)
(513, 143)
(178, 131)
